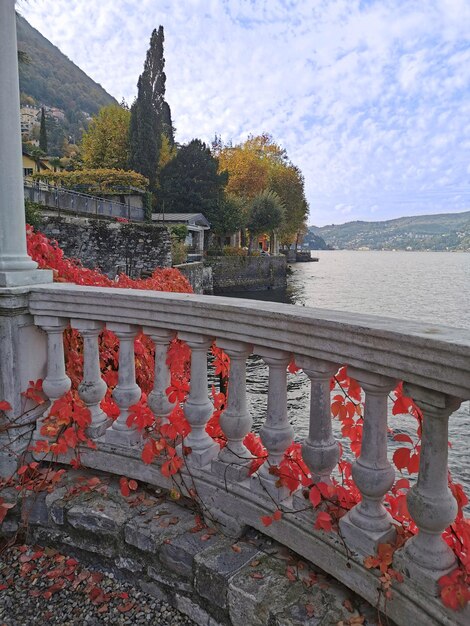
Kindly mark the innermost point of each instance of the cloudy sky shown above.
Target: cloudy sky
(370, 98)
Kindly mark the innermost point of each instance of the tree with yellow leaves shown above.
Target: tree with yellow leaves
(106, 142)
(259, 165)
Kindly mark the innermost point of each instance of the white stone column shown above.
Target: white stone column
(320, 450)
(198, 408)
(276, 433)
(16, 266)
(426, 557)
(233, 462)
(158, 399)
(127, 392)
(92, 389)
(369, 523)
(56, 383)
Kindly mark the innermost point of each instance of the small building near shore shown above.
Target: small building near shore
(196, 224)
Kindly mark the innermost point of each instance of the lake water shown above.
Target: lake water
(425, 286)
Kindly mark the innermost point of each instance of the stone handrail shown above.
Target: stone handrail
(434, 363)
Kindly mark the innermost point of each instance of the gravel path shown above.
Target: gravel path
(40, 586)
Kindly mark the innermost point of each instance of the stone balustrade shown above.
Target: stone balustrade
(433, 362)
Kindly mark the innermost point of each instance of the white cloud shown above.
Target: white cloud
(370, 99)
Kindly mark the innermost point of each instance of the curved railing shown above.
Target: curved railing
(433, 362)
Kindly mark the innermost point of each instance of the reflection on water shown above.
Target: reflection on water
(425, 286)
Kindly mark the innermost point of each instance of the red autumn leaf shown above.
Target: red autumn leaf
(277, 515)
(401, 405)
(413, 464)
(455, 591)
(310, 609)
(171, 467)
(5, 406)
(314, 496)
(41, 447)
(402, 483)
(133, 485)
(124, 487)
(70, 436)
(125, 608)
(401, 458)
(148, 452)
(290, 573)
(403, 437)
(323, 521)
(267, 520)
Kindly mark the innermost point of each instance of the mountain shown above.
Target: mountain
(48, 78)
(445, 231)
(314, 242)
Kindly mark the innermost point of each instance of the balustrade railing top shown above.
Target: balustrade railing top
(435, 357)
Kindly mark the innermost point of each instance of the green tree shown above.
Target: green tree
(37, 155)
(191, 183)
(43, 132)
(150, 114)
(266, 214)
(106, 142)
(288, 182)
(229, 217)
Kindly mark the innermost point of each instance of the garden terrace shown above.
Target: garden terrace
(433, 362)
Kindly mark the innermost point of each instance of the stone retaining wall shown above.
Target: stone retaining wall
(247, 273)
(199, 276)
(161, 546)
(109, 245)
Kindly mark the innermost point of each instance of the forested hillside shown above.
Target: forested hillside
(446, 231)
(51, 79)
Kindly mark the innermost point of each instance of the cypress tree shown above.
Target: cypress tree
(43, 133)
(150, 114)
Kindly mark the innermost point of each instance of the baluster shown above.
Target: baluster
(426, 557)
(158, 400)
(233, 462)
(127, 392)
(198, 408)
(276, 433)
(320, 451)
(92, 389)
(56, 383)
(369, 523)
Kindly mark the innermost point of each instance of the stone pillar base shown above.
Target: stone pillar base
(97, 430)
(230, 472)
(363, 541)
(200, 458)
(24, 278)
(122, 438)
(424, 578)
(265, 486)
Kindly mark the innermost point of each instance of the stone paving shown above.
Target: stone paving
(161, 548)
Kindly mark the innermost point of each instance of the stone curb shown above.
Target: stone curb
(161, 548)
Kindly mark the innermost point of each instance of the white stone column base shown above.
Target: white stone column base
(363, 541)
(265, 486)
(122, 438)
(97, 430)
(24, 278)
(231, 472)
(424, 578)
(201, 458)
